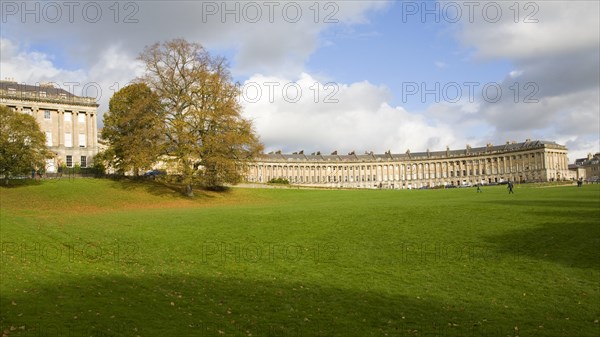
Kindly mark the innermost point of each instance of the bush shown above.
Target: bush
(99, 168)
(281, 181)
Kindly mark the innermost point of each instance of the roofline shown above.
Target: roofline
(32, 93)
(388, 156)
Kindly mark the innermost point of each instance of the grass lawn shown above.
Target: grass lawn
(91, 257)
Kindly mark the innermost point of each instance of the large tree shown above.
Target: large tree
(133, 129)
(22, 144)
(206, 135)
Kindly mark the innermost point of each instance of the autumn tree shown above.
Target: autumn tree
(206, 136)
(22, 144)
(133, 129)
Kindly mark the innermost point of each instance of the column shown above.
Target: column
(61, 123)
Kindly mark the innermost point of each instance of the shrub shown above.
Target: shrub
(279, 181)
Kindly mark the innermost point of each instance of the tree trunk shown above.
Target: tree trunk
(188, 190)
(6, 180)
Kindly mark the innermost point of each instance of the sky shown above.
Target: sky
(343, 75)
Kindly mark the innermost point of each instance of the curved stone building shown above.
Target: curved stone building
(529, 161)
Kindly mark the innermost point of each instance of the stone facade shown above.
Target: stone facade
(587, 169)
(529, 161)
(68, 121)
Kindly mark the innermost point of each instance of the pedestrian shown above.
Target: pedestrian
(479, 188)
(510, 187)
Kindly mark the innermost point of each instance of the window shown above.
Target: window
(27, 111)
(48, 138)
(47, 114)
(83, 161)
(42, 94)
(68, 116)
(69, 161)
(81, 117)
(68, 140)
(82, 140)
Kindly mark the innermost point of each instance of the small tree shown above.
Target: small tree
(22, 144)
(133, 129)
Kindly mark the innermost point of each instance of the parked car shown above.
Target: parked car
(154, 173)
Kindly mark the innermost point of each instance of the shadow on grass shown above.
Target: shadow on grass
(569, 232)
(16, 183)
(165, 188)
(551, 204)
(572, 244)
(178, 305)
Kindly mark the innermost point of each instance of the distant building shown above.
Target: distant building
(587, 169)
(68, 121)
(529, 161)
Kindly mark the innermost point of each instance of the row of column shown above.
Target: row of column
(89, 128)
(58, 128)
(511, 165)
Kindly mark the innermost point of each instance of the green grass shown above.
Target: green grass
(107, 258)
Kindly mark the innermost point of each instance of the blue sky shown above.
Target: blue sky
(376, 52)
(389, 52)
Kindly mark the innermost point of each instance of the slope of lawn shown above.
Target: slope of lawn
(92, 257)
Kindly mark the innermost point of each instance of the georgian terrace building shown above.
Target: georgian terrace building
(528, 161)
(68, 121)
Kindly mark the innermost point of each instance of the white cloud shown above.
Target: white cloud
(557, 72)
(559, 54)
(542, 28)
(280, 40)
(105, 51)
(356, 117)
(515, 73)
(31, 66)
(112, 71)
